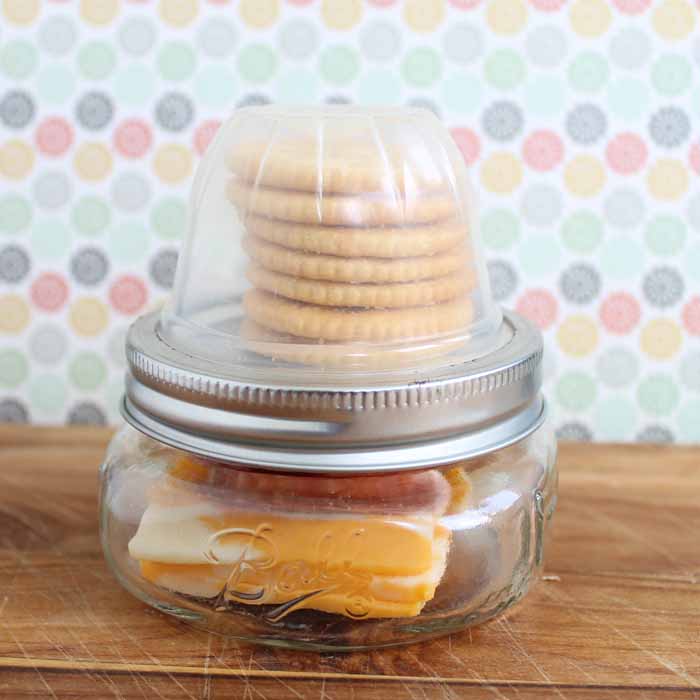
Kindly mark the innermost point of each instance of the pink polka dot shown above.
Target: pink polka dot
(376, 3)
(626, 153)
(632, 7)
(694, 157)
(54, 136)
(691, 316)
(465, 4)
(620, 313)
(49, 291)
(467, 142)
(547, 5)
(204, 134)
(132, 138)
(128, 294)
(538, 305)
(543, 150)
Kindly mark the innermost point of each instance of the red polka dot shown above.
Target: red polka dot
(49, 291)
(691, 316)
(468, 143)
(543, 150)
(54, 136)
(694, 157)
(465, 4)
(128, 294)
(132, 138)
(538, 305)
(620, 313)
(626, 153)
(632, 7)
(547, 5)
(204, 134)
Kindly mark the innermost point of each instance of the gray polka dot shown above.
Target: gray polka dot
(504, 279)
(13, 411)
(463, 43)
(669, 127)
(656, 434)
(162, 268)
(694, 212)
(624, 209)
(252, 99)
(57, 35)
(630, 49)
(546, 46)
(174, 111)
(14, 264)
(16, 109)
(137, 35)
(541, 205)
(617, 367)
(89, 266)
(94, 111)
(663, 286)
(580, 283)
(696, 51)
(586, 124)
(423, 103)
(690, 371)
(52, 190)
(502, 121)
(131, 192)
(86, 413)
(298, 39)
(578, 432)
(216, 38)
(115, 346)
(48, 344)
(337, 100)
(380, 41)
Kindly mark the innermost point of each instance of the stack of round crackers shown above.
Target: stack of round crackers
(349, 245)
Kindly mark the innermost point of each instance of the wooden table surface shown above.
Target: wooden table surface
(618, 615)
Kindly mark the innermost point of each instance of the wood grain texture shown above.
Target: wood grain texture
(618, 617)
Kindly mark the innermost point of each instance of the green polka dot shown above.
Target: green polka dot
(539, 255)
(576, 391)
(499, 229)
(55, 83)
(96, 60)
(113, 394)
(658, 394)
(87, 371)
(13, 368)
(134, 85)
(297, 87)
(339, 65)
(15, 213)
(379, 87)
(671, 75)
(90, 216)
(665, 235)
(544, 96)
(588, 72)
(688, 423)
(582, 232)
(215, 86)
(461, 93)
(168, 218)
(257, 63)
(614, 419)
(504, 69)
(47, 394)
(128, 241)
(51, 239)
(628, 98)
(617, 367)
(621, 257)
(421, 67)
(18, 59)
(176, 61)
(692, 269)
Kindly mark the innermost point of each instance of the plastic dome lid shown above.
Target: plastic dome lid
(332, 241)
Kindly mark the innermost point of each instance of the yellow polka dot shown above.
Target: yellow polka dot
(259, 13)
(578, 336)
(661, 338)
(98, 11)
(501, 173)
(590, 18)
(20, 11)
(584, 176)
(172, 163)
(341, 14)
(424, 15)
(93, 161)
(14, 313)
(674, 19)
(667, 179)
(16, 159)
(507, 16)
(88, 316)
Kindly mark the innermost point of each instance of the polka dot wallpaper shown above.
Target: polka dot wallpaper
(578, 118)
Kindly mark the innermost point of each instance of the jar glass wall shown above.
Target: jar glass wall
(326, 562)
